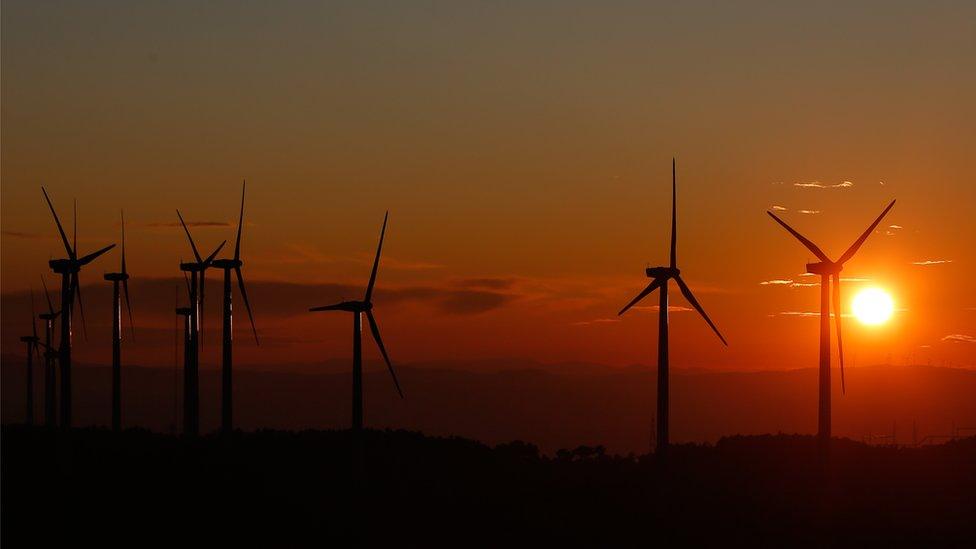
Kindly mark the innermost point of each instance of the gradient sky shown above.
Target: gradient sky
(524, 153)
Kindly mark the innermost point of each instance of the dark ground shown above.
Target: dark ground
(90, 487)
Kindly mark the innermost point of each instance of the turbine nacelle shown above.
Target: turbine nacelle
(825, 268)
(227, 263)
(64, 266)
(347, 306)
(663, 273)
(193, 267)
(113, 277)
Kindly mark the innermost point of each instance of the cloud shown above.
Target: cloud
(777, 208)
(671, 308)
(819, 185)
(896, 227)
(490, 283)
(808, 314)
(18, 234)
(788, 282)
(960, 338)
(854, 279)
(191, 224)
(808, 212)
(928, 262)
(302, 253)
(596, 321)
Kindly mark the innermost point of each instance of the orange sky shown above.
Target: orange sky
(524, 155)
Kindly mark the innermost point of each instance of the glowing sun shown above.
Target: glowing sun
(873, 306)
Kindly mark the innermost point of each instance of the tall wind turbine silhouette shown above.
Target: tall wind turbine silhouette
(116, 278)
(357, 308)
(33, 342)
(50, 356)
(659, 280)
(829, 270)
(191, 375)
(228, 265)
(69, 269)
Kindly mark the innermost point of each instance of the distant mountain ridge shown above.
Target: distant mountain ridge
(554, 406)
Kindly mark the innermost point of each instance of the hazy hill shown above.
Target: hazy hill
(580, 404)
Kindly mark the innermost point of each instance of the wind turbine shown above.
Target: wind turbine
(659, 280)
(191, 376)
(228, 265)
(357, 308)
(69, 269)
(33, 342)
(116, 278)
(828, 270)
(50, 355)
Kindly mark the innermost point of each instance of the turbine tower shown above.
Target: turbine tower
(227, 384)
(116, 278)
(357, 308)
(50, 356)
(32, 342)
(69, 269)
(659, 280)
(829, 270)
(191, 375)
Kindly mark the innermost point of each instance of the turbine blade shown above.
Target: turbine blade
(196, 254)
(376, 262)
(379, 343)
(686, 291)
(857, 243)
(674, 215)
(335, 307)
(33, 314)
(76, 283)
(128, 306)
(123, 242)
(210, 258)
(50, 304)
(64, 237)
(187, 280)
(655, 284)
(74, 236)
(240, 224)
(810, 245)
(92, 256)
(247, 305)
(840, 340)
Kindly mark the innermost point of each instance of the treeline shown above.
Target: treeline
(316, 487)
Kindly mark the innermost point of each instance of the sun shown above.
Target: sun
(873, 306)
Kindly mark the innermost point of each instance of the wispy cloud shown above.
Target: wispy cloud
(778, 208)
(960, 338)
(596, 321)
(19, 234)
(819, 185)
(896, 227)
(190, 224)
(928, 262)
(788, 282)
(854, 279)
(671, 308)
(776, 282)
(808, 212)
(808, 314)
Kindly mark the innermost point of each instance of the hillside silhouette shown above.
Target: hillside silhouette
(559, 406)
(402, 487)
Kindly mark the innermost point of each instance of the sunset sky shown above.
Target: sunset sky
(524, 153)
